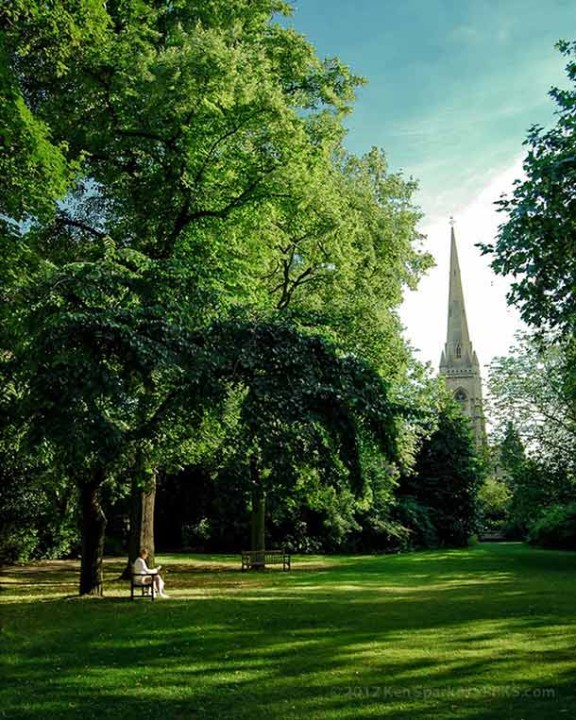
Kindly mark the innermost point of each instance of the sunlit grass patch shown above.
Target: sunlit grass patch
(486, 632)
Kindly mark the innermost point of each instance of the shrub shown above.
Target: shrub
(556, 528)
(418, 523)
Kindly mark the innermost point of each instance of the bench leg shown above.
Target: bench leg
(145, 589)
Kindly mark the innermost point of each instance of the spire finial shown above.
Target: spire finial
(452, 221)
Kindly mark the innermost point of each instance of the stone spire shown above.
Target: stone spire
(459, 363)
(458, 349)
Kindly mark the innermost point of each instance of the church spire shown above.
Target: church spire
(458, 349)
(459, 363)
(457, 323)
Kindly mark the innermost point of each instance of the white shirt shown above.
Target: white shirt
(140, 567)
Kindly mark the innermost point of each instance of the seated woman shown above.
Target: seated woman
(149, 575)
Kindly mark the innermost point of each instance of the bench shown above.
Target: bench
(137, 582)
(258, 559)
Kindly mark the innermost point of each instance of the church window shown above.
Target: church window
(458, 351)
(460, 396)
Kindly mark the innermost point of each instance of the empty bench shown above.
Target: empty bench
(259, 559)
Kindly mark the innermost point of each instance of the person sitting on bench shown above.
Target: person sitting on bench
(149, 575)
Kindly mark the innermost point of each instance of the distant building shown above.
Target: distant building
(459, 364)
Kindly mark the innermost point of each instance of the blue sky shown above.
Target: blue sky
(453, 86)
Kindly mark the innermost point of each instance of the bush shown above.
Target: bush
(418, 523)
(494, 499)
(556, 528)
(37, 520)
(515, 529)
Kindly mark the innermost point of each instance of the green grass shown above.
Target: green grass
(487, 632)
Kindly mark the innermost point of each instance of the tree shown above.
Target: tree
(181, 114)
(536, 244)
(176, 119)
(537, 428)
(37, 517)
(201, 143)
(528, 394)
(441, 492)
(494, 503)
(302, 405)
(345, 252)
(535, 388)
(532, 486)
(86, 366)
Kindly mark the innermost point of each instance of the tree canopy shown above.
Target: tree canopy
(168, 167)
(528, 389)
(439, 496)
(535, 388)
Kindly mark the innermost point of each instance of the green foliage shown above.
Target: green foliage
(556, 528)
(88, 352)
(199, 148)
(346, 251)
(521, 476)
(181, 115)
(445, 481)
(317, 423)
(37, 512)
(304, 398)
(18, 530)
(493, 503)
(535, 387)
(533, 415)
(309, 417)
(528, 389)
(536, 242)
(418, 522)
(533, 485)
(35, 167)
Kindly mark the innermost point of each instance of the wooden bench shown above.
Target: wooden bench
(492, 536)
(147, 589)
(258, 559)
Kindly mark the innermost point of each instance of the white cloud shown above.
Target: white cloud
(491, 322)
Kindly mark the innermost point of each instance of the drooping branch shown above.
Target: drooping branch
(67, 221)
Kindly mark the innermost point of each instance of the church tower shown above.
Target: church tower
(459, 363)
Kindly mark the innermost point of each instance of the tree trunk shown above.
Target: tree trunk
(93, 532)
(258, 539)
(143, 502)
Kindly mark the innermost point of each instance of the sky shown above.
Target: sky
(452, 88)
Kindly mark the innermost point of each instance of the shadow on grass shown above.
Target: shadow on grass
(476, 635)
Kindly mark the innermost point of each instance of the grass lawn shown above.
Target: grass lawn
(486, 632)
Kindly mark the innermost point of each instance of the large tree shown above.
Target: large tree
(91, 363)
(528, 389)
(178, 118)
(439, 498)
(303, 405)
(536, 246)
(345, 252)
(202, 145)
(535, 427)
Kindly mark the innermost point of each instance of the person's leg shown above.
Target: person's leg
(159, 584)
(148, 582)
